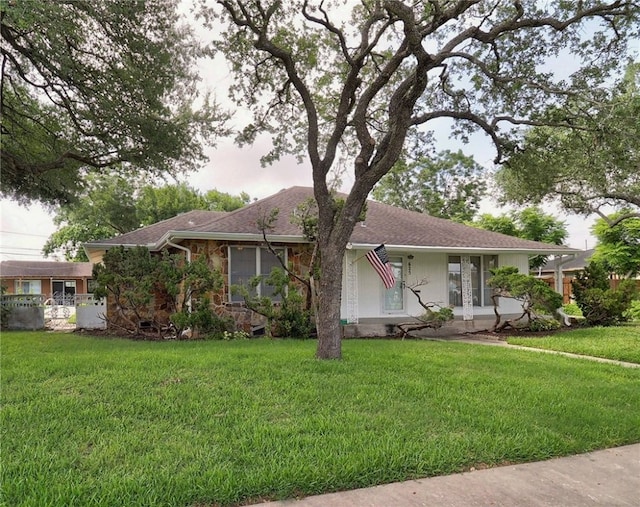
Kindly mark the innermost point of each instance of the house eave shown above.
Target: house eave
(562, 250)
(227, 236)
(276, 238)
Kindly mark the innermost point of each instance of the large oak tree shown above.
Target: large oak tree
(336, 82)
(90, 84)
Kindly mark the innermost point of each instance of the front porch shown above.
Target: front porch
(387, 327)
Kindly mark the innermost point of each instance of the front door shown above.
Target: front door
(394, 297)
(64, 291)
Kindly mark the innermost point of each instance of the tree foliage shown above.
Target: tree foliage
(128, 277)
(447, 185)
(94, 84)
(345, 85)
(530, 223)
(594, 163)
(290, 315)
(113, 205)
(618, 246)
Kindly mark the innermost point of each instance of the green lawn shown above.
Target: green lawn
(620, 343)
(97, 421)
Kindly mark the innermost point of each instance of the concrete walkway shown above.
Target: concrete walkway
(608, 478)
(481, 340)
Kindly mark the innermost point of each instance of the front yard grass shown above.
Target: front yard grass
(97, 421)
(620, 343)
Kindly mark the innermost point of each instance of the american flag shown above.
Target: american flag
(380, 261)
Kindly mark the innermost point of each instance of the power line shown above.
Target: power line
(21, 248)
(21, 254)
(25, 234)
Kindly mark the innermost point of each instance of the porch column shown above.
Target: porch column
(351, 275)
(467, 288)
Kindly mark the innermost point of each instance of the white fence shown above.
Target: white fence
(26, 311)
(90, 312)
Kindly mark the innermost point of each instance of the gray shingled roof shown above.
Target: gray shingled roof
(45, 269)
(383, 224)
(153, 233)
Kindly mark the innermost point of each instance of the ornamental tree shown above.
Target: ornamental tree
(534, 295)
(342, 84)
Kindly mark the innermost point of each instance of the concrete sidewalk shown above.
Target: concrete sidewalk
(608, 478)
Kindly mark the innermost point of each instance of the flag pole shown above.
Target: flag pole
(356, 260)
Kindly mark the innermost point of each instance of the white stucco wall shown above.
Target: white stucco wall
(430, 270)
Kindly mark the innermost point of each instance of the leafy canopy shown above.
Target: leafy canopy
(530, 223)
(447, 185)
(112, 205)
(618, 246)
(593, 162)
(89, 84)
(344, 84)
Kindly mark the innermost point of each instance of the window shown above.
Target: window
(245, 262)
(28, 287)
(480, 266)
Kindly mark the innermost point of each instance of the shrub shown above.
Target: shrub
(231, 335)
(134, 277)
(439, 317)
(601, 305)
(543, 324)
(633, 312)
(4, 310)
(202, 319)
(572, 309)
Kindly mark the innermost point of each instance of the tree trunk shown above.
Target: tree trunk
(329, 300)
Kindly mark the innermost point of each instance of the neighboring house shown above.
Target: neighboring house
(558, 272)
(449, 261)
(567, 265)
(57, 280)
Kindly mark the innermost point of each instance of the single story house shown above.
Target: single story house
(446, 261)
(57, 280)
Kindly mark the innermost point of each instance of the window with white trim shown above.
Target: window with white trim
(28, 287)
(245, 262)
(480, 273)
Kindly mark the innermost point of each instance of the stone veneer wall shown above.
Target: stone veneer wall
(217, 255)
